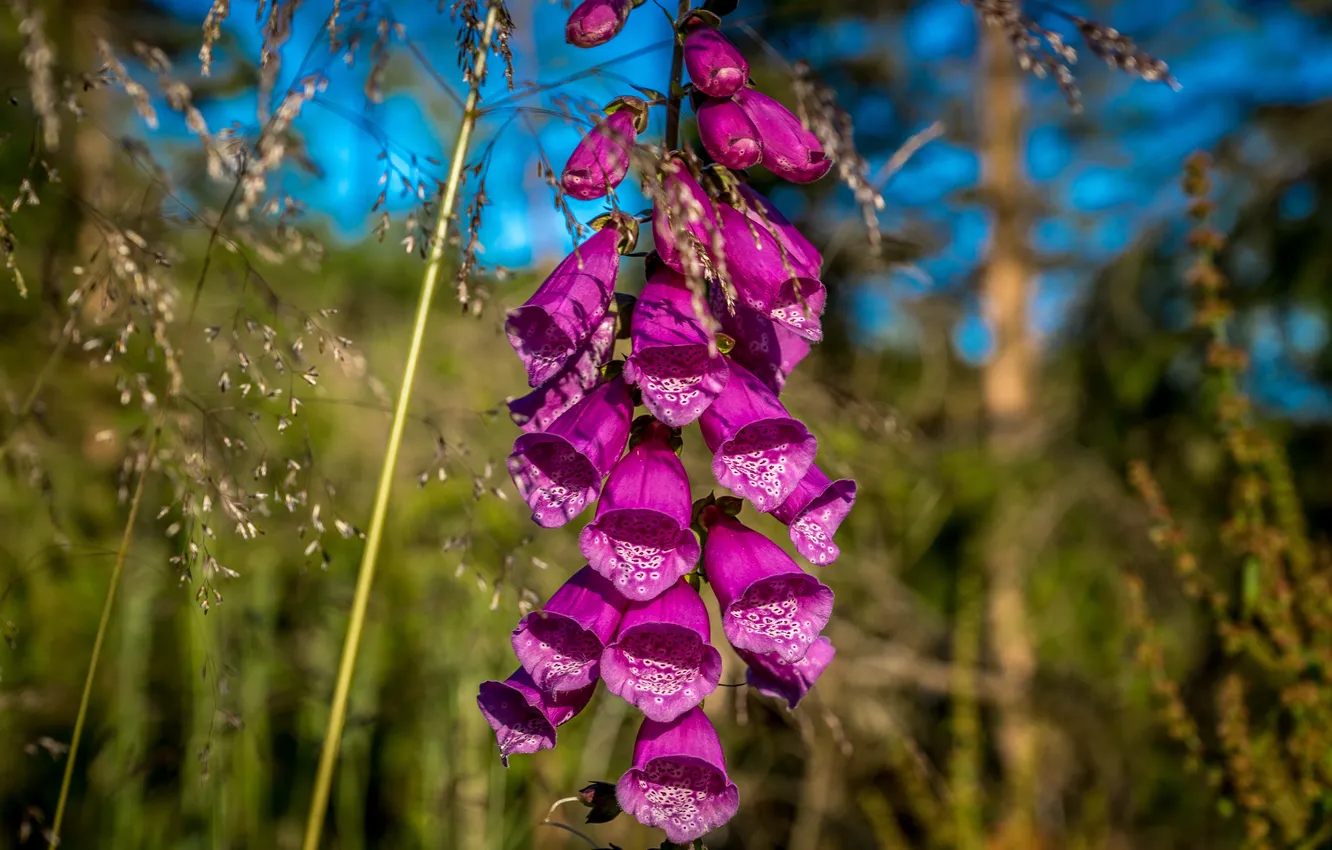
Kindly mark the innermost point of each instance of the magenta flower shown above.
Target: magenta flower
(601, 160)
(662, 661)
(687, 212)
(759, 451)
(715, 66)
(727, 134)
(523, 716)
(813, 511)
(678, 781)
(641, 540)
(804, 256)
(769, 605)
(768, 279)
(558, 472)
(670, 361)
(596, 22)
(769, 350)
(560, 646)
(543, 405)
(567, 308)
(772, 676)
(789, 150)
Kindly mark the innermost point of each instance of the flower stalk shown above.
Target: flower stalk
(374, 536)
(116, 572)
(675, 91)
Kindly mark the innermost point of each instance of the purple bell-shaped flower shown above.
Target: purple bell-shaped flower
(560, 646)
(558, 472)
(662, 661)
(678, 780)
(567, 308)
(769, 605)
(760, 452)
(641, 540)
(601, 160)
(773, 676)
(789, 150)
(671, 362)
(727, 133)
(715, 66)
(523, 716)
(596, 22)
(813, 511)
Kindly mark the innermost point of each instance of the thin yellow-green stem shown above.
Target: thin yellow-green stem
(365, 578)
(107, 606)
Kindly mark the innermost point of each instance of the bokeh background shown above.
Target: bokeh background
(1032, 654)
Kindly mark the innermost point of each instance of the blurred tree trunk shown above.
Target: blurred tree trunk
(1008, 386)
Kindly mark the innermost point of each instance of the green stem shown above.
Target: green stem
(675, 93)
(116, 572)
(366, 576)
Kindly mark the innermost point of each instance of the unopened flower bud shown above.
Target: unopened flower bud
(715, 65)
(596, 22)
(790, 150)
(728, 135)
(601, 160)
(600, 798)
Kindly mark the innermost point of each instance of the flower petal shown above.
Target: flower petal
(813, 511)
(678, 781)
(567, 308)
(661, 661)
(671, 362)
(560, 646)
(759, 451)
(769, 605)
(640, 540)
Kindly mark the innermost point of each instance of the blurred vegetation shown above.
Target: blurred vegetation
(1171, 535)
